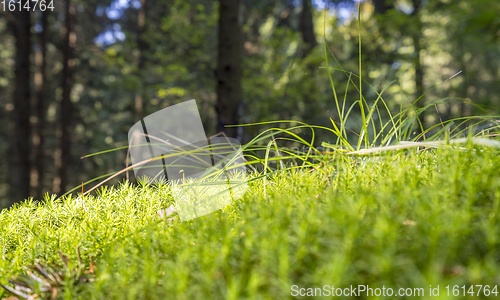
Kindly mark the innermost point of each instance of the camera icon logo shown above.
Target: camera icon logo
(205, 174)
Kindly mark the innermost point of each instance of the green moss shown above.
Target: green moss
(401, 220)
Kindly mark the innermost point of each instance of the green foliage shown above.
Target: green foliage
(415, 215)
(406, 219)
(50, 281)
(278, 84)
(37, 229)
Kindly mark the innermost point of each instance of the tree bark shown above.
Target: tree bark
(306, 27)
(41, 110)
(142, 45)
(381, 6)
(419, 70)
(20, 165)
(229, 67)
(63, 154)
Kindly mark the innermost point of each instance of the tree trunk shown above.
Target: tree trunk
(309, 91)
(142, 45)
(66, 110)
(229, 67)
(419, 70)
(40, 85)
(381, 6)
(306, 27)
(20, 165)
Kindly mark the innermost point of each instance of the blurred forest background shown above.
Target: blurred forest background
(75, 79)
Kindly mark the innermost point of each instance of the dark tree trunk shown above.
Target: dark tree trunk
(419, 70)
(66, 110)
(381, 6)
(20, 165)
(229, 67)
(40, 85)
(142, 46)
(306, 27)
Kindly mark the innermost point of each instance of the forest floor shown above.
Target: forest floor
(410, 220)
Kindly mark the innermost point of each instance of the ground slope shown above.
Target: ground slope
(405, 220)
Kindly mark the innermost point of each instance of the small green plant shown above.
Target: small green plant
(379, 207)
(50, 281)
